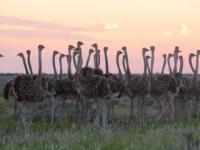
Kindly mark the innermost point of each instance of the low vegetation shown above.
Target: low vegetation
(171, 135)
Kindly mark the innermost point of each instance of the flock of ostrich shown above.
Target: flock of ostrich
(174, 93)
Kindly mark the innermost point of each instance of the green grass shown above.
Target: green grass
(151, 136)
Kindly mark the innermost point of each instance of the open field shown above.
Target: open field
(152, 136)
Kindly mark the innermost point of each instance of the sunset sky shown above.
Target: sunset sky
(114, 23)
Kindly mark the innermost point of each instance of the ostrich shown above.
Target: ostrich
(194, 88)
(167, 87)
(137, 86)
(1, 55)
(114, 82)
(63, 88)
(12, 90)
(93, 87)
(29, 61)
(29, 90)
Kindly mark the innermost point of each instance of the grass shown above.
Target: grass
(151, 136)
(42, 136)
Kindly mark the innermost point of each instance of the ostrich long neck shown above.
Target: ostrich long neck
(181, 65)
(169, 65)
(106, 61)
(29, 64)
(191, 64)
(175, 62)
(98, 61)
(74, 61)
(69, 72)
(39, 77)
(145, 66)
(96, 58)
(163, 66)
(79, 60)
(152, 61)
(118, 66)
(124, 64)
(54, 66)
(197, 65)
(127, 63)
(61, 67)
(148, 67)
(194, 81)
(88, 59)
(24, 63)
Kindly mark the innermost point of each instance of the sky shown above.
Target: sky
(114, 23)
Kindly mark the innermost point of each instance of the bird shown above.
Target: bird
(28, 90)
(93, 87)
(137, 86)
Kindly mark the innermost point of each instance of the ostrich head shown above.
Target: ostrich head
(198, 52)
(176, 51)
(164, 56)
(95, 46)
(28, 52)
(62, 55)
(20, 54)
(55, 52)
(1, 55)
(192, 55)
(144, 50)
(91, 51)
(105, 49)
(70, 47)
(119, 52)
(152, 48)
(124, 48)
(80, 43)
(41, 47)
